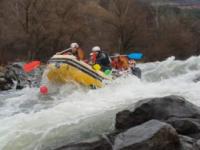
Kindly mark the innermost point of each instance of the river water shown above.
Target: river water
(29, 121)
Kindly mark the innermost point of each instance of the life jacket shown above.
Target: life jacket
(93, 58)
(79, 54)
(121, 63)
(114, 64)
(124, 62)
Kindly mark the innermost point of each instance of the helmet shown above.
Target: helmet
(116, 55)
(96, 49)
(132, 62)
(74, 45)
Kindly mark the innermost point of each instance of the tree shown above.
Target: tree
(129, 22)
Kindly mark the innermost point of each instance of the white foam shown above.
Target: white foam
(29, 121)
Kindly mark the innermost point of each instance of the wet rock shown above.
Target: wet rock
(7, 78)
(152, 135)
(188, 143)
(93, 144)
(197, 79)
(124, 120)
(137, 72)
(14, 73)
(186, 126)
(152, 124)
(181, 114)
(5, 83)
(20, 85)
(197, 144)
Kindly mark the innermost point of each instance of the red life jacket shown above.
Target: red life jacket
(120, 64)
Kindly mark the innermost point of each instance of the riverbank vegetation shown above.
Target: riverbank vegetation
(36, 29)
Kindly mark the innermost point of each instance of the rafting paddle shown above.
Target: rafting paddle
(31, 66)
(135, 56)
(64, 51)
(34, 64)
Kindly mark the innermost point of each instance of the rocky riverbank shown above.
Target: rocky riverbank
(13, 76)
(167, 123)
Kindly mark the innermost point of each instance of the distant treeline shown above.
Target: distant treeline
(36, 29)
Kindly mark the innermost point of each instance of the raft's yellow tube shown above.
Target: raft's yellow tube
(65, 73)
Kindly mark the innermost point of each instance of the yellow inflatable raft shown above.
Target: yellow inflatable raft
(63, 69)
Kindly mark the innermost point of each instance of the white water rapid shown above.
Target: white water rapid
(29, 121)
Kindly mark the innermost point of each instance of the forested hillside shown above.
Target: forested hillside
(36, 29)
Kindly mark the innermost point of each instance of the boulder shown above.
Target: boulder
(188, 143)
(163, 109)
(92, 144)
(15, 73)
(186, 126)
(197, 145)
(5, 84)
(124, 120)
(152, 135)
(152, 124)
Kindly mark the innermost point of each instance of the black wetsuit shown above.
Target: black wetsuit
(104, 61)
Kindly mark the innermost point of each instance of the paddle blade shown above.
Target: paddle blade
(31, 66)
(136, 56)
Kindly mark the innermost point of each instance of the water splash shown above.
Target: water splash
(30, 121)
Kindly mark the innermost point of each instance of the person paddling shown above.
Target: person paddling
(74, 50)
(135, 70)
(120, 62)
(77, 51)
(101, 58)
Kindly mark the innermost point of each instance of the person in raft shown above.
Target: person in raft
(100, 57)
(77, 51)
(120, 62)
(74, 50)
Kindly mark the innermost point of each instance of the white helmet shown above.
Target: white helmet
(74, 45)
(96, 49)
(116, 55)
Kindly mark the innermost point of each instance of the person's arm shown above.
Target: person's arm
(80, 54)
(100, 58)
(103, 56)
(65, 51)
